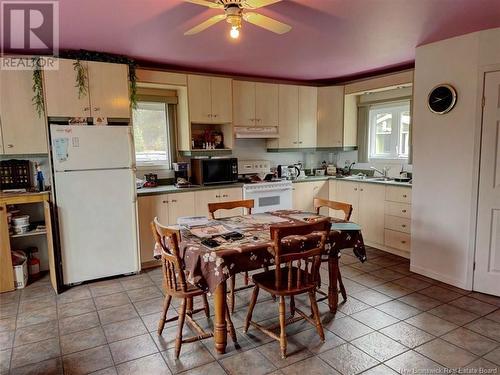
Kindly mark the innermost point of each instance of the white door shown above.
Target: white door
(487, 271)
(97, 223)
(91, 147)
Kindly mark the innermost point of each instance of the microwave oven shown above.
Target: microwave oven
(214, 171)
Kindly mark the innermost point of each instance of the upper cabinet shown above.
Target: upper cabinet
(255, 104)
(330, 116)
(210, 99)
(22, 130)
(297, 117)
(107, 92)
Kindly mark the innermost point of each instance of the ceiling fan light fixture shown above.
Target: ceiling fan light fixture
(234, 33)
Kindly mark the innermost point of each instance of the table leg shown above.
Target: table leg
(333, 292)
(220, 330)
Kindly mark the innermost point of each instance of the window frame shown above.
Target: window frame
(170, 111)
(396, 109)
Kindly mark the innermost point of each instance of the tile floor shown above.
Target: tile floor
(394, 321)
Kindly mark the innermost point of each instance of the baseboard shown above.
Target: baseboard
(404, 254)
(447, 280)
(150, 264)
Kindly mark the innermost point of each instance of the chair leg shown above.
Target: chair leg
(189, 307)
(292, 306)
(206, 306)
(342, 287)
(230, 326)
(232, 287)
(246, 278)
(255, 294)
(282, 311)
(316, 316)
(166, 305)
(182, 317)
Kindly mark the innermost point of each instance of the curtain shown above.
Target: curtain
(363, 133)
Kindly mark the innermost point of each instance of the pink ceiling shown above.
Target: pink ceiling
(329, 39)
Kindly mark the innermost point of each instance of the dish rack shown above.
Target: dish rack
(15, 174)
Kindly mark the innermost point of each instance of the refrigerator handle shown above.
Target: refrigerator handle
(132, 148)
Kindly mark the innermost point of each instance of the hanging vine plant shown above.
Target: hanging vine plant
(37, 99)
(81, 78)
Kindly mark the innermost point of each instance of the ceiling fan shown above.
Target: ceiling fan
(235, 13)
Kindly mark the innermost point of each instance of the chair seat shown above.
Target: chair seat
(267, 281)
(191, 291)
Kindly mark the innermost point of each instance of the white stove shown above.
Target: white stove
(269, 195)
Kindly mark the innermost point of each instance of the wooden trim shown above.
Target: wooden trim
(23, 198)
(6, 272)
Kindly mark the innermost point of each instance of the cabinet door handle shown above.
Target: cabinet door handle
(10, 145)
(355, 189)
(403, 211)
(404, 195)
(97, 109)
(209, 115)
(215, 115)
(217, 196)
(86, 109)
(294, 143)
(173, 201)
(165, 201)
(403, 241)
(361, 189)
(403, 225)
(252, 119)
(300, 142)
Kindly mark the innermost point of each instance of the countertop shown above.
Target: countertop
(169, 189)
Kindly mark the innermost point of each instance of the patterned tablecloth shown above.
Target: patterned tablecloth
(207, 267)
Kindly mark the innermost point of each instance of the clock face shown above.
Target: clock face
(442, 99)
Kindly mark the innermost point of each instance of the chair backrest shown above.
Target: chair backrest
(297, 252)
(168, 239)
(246, 203)
(337, 206)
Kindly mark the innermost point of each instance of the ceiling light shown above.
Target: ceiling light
(235, 32)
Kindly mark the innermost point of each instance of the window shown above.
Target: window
(152, 134)
(390, 131)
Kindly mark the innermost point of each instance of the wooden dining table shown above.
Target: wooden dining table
(209, 268)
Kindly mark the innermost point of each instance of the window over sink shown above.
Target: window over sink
(153, 133)
(389, 130)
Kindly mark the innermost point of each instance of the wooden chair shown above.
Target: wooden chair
(336, 206)
(248, 204)
(175, 286)
(297, 252)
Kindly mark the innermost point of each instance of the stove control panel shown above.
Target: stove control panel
(254, 166)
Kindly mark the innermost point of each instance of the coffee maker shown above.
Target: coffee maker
(181, 174)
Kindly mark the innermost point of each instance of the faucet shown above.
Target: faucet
(383, 172)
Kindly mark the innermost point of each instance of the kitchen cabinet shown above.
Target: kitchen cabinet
(330, 131)
(255, 104)
(22, 130)
(305, 192)
(203, 197)
(368, 203)
(107, 96)
(61, 95)
(109, 90)
(39, 208)
(398, 220)
(209, 99)
(167, 207)
(308, 116)
(297, 117)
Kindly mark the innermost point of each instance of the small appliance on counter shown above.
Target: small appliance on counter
(213, 171)
(181, 175)
(151, 180)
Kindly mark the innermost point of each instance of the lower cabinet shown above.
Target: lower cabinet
(368, 207)
(167, 208)
(203, 197)
(305, 192)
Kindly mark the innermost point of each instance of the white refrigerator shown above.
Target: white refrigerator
(95, 196)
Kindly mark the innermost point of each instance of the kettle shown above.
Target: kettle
(293, 172)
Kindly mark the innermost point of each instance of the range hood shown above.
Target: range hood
(252, 132)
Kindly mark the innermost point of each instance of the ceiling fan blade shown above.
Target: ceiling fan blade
(205, 25)
(267, 23)
(206, 3)
(255, 4)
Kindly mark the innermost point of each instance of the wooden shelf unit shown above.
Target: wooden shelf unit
(6, 270)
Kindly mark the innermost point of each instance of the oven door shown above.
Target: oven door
(270, 200)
